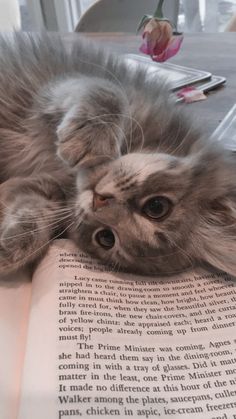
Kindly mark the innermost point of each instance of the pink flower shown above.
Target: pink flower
(159, 40)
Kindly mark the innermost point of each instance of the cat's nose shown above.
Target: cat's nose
(100, 201)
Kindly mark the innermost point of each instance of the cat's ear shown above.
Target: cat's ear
(217, 209)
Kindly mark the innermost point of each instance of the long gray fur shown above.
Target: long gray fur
(80, 124)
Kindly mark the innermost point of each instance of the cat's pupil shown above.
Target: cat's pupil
(157, 207)
(105, 238)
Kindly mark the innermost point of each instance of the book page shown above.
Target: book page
(14, 309)
(105, 344)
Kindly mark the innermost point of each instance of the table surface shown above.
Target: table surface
(215, 53)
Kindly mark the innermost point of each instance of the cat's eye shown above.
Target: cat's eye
(157, 207)
(105, 238)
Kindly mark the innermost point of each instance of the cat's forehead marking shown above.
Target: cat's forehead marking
(131, 170)
(129, 186)
(123, 181)
(140, 166)
(126, 182)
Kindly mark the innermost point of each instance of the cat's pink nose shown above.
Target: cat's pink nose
(100, 201)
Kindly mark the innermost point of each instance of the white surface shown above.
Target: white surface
(15, 292)
(9, 15)
(122, 16)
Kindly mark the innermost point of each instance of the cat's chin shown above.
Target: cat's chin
(148, 268)
(120, 261)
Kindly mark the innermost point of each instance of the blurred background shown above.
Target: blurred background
(64, 15)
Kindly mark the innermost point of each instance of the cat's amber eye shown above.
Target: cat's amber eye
(157, 207)
(105, 238)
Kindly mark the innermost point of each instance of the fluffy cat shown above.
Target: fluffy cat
(91, 149)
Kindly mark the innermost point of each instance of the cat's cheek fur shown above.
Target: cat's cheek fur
(213, 190)
(216, 233)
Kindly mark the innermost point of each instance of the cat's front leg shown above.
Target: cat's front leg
(93, 121)
(31, 215)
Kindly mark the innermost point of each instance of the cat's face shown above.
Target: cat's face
(138, 212)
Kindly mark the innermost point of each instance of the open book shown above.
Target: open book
(82, 341)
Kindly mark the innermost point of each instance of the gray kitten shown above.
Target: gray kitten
(91, 149)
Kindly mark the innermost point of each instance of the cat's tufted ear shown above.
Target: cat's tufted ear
(92, 128)
(216, 189)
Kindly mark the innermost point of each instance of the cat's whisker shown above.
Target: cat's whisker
(184, 253)
(175, 271)
(80, 218)
(37, 216)
(113, 133)
(177, 149)
(230, 233)
(61, 209)
(131, 118)
(77, 227)
(53, 216)
(160, 137)
(154, 256)
(56, 223)
(40, 218)
(122, 256)
(117, 80)
(114, 77)
(170, 149)
(123, 136)
(173, 152)
(115, 265)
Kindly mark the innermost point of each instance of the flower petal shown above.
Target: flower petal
(191, 94)
(171, 50)
(174, 45)
(156, 42)
(144, 49)
(158, 39)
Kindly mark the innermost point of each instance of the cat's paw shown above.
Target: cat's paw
(87, 144)
(28, 224)
(31, 215)
(92, 129)
(23, 237)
